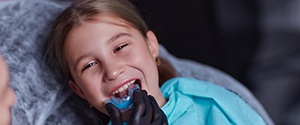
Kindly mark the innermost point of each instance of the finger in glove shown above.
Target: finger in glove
(159, 117)
(142, 110)
(115, 114)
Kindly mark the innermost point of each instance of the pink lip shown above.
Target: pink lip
(117, 87)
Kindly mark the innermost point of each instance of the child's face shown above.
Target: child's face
(7, 96)
(105, 55)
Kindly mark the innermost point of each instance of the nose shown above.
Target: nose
(113, 70)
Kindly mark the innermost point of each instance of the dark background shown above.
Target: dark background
(255, 41)
(222, 34)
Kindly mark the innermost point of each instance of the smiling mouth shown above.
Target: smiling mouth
(122, 97)
(125, 89)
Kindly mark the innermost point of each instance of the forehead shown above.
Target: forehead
(99, 18)
(93, 24)
(102, 28)
(108, 18)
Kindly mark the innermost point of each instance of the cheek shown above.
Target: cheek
(98, 102)
(94, 89)
(140, 57)
(148, 67)
(96, 95)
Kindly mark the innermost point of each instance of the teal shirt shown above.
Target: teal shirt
(195, 102)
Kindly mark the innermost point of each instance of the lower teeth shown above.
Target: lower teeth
(124, 103)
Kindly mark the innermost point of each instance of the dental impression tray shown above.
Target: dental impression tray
(124, 103)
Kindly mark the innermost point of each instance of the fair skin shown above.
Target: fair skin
(7, 96)
(104, 55)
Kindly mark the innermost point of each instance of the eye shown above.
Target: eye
(90, 64)
(120, 47)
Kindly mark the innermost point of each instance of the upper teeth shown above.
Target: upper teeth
(124, 87)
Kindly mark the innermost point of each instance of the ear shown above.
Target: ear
(152, 43)
(76, 89)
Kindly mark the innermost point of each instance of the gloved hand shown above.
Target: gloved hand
(145, 111)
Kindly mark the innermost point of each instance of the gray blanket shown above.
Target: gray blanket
(42, 95)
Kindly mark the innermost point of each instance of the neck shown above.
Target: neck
(160, 100)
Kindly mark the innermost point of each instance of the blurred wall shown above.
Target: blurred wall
(276, 70)
(222, 34)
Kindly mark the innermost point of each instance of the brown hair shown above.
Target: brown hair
(88, 10)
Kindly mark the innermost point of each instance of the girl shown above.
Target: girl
(105, 49)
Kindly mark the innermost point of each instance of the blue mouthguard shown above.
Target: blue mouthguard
(124, 103)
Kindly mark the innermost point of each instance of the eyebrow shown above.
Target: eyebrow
(112, 39)
(115, 37)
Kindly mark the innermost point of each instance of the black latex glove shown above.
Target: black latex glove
(145, 111)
